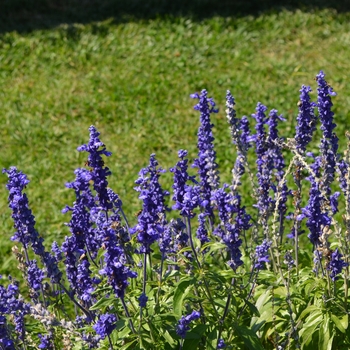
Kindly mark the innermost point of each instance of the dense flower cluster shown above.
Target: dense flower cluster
(83, 239)
(186, 197)
(24, 223)
(11, 304)
(105, 325)
(115, 267)
(45, 341)
(183, 324)
(234, 220)
(329, 141)
(316, 218)
(221, 344)
(306, 120)
(273, 143)
(264, 161)
(35, 275)
(99, 172)
(101, 254)
(262, 255)
(336, 264)
(151, 219)
(206, 161)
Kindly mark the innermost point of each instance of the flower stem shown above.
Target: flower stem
(127, 315)
(188, 225)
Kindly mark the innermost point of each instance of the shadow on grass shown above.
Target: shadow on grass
(28, 15)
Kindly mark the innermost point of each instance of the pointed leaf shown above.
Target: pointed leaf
(324, 335)
(249, 338)
(194, 336)
(181, 290)
(338, 323)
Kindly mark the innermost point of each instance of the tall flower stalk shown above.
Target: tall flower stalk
(24, 223)
(152, 218)
(206, 161)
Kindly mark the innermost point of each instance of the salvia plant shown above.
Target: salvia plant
(204, 265)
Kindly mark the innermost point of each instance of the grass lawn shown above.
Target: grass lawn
(133, 80)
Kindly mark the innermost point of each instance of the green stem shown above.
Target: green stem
(127, 315)
(228, 302)
(86, 312)
(160, 278)
(188, 225)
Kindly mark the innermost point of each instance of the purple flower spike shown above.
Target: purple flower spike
(221, 344)
(333, 199)
(5, 341)
(202, 232)
(24, 222)
(336, 264)
(151, 220)
(35, 276)
(224, 203)
(343, 171)
(273, 141)
(288, 260)
(234, 220)
(12, 305)
(183, 324)
(246, 137)
(329, 141)
(243, 140)
(262, 255)
(143, 300)
(45, 342)
(165, 240)
(82, 210)
(264, 160)
(306, 120)
(99, 172)
(316, 218)
(186, 197)
(324, 104)
(57, 251)
(260, 136)
(206, 161)
(191, 201)
(115, 267)
(105, 325)
(83, 237)
(22, 216)
(231, 118)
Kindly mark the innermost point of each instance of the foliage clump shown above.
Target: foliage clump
(209, 273)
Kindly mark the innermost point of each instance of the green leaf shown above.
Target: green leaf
(124, 333)
(120, 324)
(345, 321)
(249, 338)
(194, 336)
(102, 304)
(213, 246)
(262, 300)
(127, 346)
(171, 274)
(310, 326)
(181, 290)
(338, 323)
(324, 342)
(252, 308)
(169, 339)
(212, 340)
(308, 310)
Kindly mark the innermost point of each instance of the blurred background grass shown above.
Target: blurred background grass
(128, 67)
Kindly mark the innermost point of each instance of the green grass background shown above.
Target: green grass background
(129, 67)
